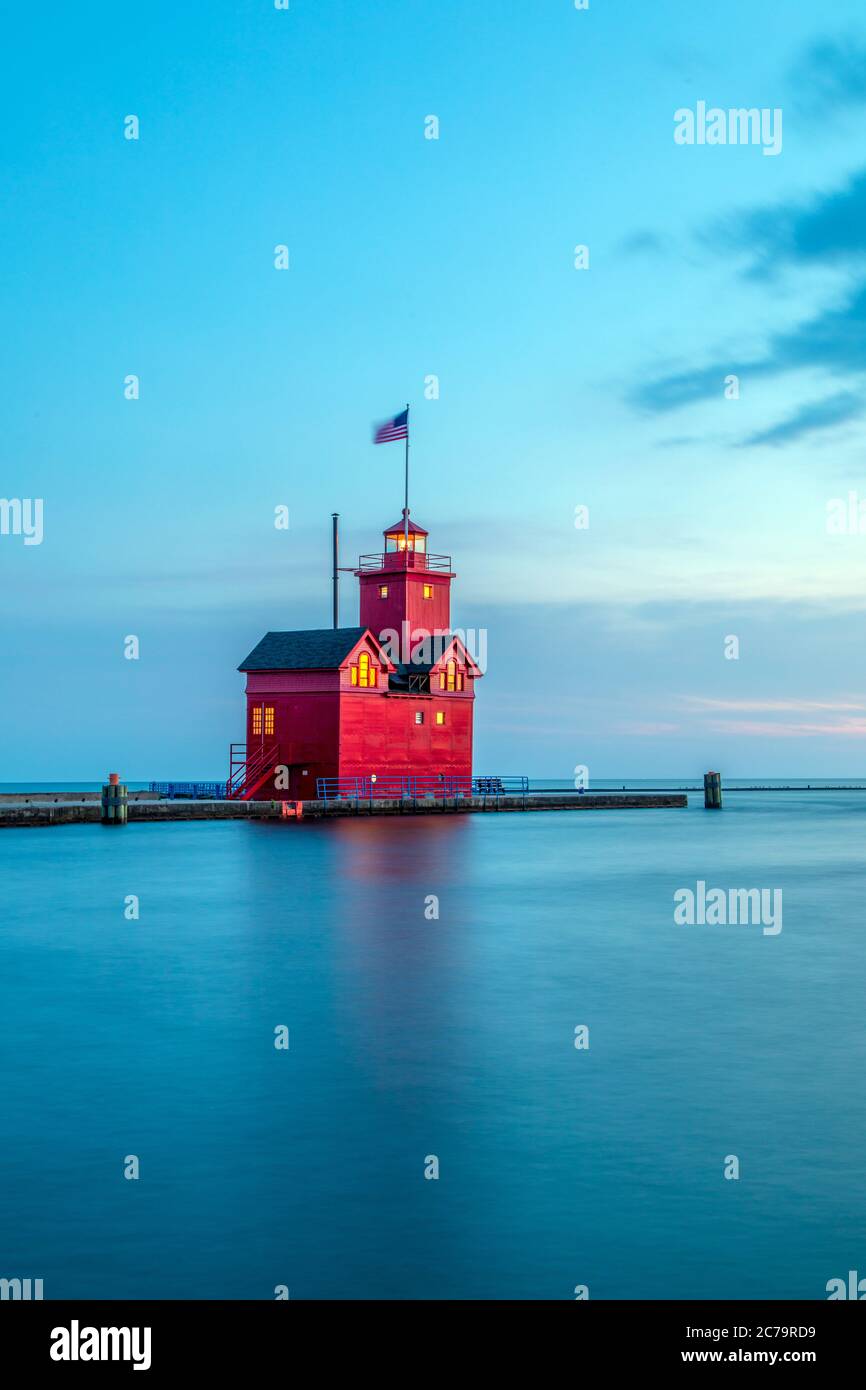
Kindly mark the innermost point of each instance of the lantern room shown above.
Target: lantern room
(402, 538)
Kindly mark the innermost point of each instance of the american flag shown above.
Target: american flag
(397, 428)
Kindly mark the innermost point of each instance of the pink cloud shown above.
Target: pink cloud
(699, 702)
(845, 728)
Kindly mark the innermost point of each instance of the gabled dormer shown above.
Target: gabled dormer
(366, 666)
(455, 671)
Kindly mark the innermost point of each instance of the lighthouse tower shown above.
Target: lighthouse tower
(405, 590)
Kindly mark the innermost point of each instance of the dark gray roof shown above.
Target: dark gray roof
(317, 649)
(437, 647)
(418, 668)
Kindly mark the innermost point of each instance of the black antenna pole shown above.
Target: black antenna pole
(406, 502)
(336, 583)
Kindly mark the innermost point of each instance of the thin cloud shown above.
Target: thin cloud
(810, 419)
(642, 243)
(827, 229)
(832, 74)
(833, 340)
(784, 706)
(849, 728)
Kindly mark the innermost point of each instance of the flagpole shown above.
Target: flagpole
(406, 506)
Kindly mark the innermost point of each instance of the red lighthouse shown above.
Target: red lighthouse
(387, 704)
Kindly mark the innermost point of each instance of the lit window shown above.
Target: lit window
(441, 680)
(365, 673)
(257, 719)
(419, 716)
(269, 719)
(383, 590)
(428, 590)
(440, 716)
(459, 680)
(451, 669)
(396, 540)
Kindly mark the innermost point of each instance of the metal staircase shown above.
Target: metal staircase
(248, 773)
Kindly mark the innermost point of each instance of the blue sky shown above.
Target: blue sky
(453, 257)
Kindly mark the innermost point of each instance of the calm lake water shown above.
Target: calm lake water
(413, 1037)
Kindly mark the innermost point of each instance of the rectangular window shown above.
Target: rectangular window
(383, 590)
(428, 590)
(269, 719)
(257, 719)
(441, 680)
(354, 675)
(459, 680)
(419, 716)
(440, 716)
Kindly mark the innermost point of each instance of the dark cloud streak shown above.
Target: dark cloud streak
(831, 75)
(817, 415)
(827, 231)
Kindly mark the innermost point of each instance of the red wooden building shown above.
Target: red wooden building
(382, 703)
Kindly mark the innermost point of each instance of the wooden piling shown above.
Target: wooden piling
(114, 801)
(712, 791)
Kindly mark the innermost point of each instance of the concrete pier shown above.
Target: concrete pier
(21, 811)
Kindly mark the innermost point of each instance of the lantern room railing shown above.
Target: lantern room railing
(406, 560)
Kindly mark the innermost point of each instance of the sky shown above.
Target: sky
(605, 387)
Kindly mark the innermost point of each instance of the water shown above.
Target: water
(453, 1037)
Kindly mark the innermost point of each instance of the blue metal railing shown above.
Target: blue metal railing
(424, 787)
(190, 791)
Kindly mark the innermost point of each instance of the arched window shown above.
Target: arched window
(365, 673)
(452, 677)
